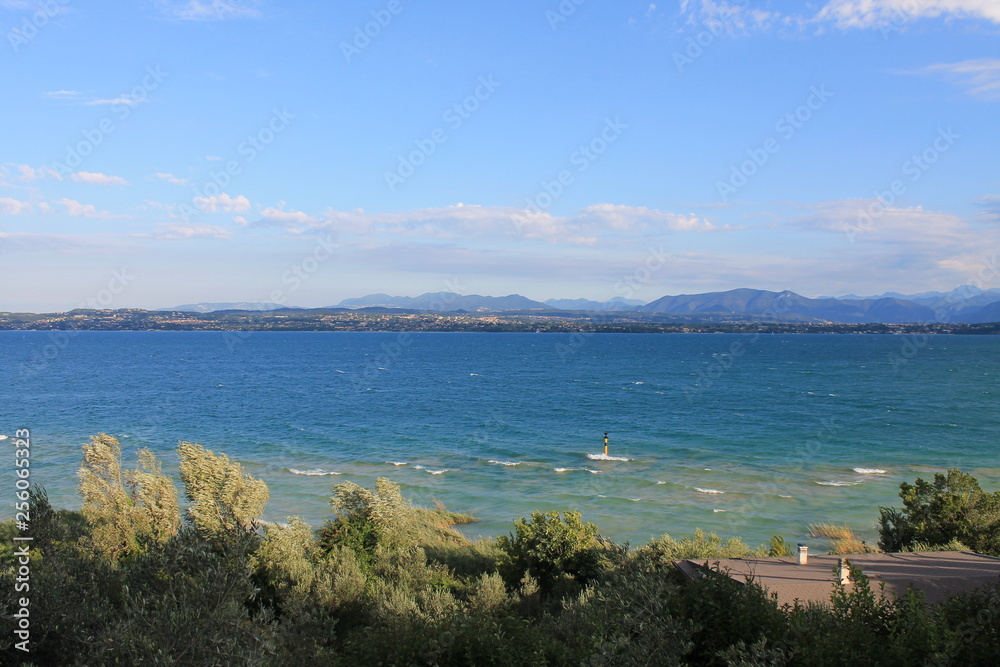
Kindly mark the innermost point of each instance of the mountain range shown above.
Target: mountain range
(966, 304)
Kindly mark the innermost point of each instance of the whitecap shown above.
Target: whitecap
(838, 483)
(661, 482)
(636, 500)
(605, 457)
(315, 472)
(718, 510)
(473, 375)
(783, 496)
(595, 472)
(397, 463)
(713, 491)
(505, 463)
(419, 467)
(3, 437)
(564, 469)
(438, 472)
(869, 471)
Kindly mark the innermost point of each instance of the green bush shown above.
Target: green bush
(951, 508)
(555, 550)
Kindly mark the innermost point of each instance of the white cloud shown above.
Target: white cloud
(886, 14)
(127, 100)
(10, 206)
(170, 178)
(223, 203)
(209, 10)
(97, 178)
(604, 223)
(75, 209)
(287, 218)
(981, 77)
(63, 94)
(26, 173)
(184, 231)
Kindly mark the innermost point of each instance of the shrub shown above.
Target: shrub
(125, 508)
(554, 550)
(222, 497)
(952, 507)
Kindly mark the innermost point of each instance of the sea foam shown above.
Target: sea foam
(505, 463)
(838, 483)
(714, 491)
(315, 472)
(869, 471)
(605, 457)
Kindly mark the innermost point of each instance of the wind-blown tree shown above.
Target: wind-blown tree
(223, 498)
(126, 508)
(952, 508)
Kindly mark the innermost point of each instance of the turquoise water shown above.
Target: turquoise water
(739, 434)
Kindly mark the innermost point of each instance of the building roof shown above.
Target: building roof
(938, 574)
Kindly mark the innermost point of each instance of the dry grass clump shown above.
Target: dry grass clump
(842, 537)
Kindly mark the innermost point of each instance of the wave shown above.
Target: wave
(783, 496)
(3, 437)
(661, 482)
(419, 467)
(838, 483)
(565, 469)
(869, 471)
(605, 457)
(397, 463)
(315, 472)
(701, 490)
(505, 463)
(439, 472)
(719, 510)
(595, 472)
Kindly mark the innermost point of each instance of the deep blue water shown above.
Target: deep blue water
(791, 430)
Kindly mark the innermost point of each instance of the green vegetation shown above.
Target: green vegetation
(952, 511)
(131, 580)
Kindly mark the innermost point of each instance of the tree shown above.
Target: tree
(222, 497)
(126, 508)
(553, 548)
(951, 508)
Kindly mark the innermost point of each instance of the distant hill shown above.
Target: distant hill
(447, 302)
(789, 306)
(213, 307)
(617, 304)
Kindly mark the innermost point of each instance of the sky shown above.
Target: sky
(162, 152)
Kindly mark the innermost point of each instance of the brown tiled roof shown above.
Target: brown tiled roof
(937, 573)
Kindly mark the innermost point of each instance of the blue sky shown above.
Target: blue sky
(157, 153)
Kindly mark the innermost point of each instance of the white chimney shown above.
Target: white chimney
(803, 554)
(845, 572)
